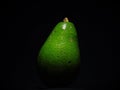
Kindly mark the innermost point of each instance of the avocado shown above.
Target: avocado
(59, 57)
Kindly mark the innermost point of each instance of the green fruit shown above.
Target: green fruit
(59, 56)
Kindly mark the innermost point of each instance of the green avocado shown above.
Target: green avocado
(60, 54)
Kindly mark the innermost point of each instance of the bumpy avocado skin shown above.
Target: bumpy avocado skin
(59, 57)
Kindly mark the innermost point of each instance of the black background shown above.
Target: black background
(30, 23)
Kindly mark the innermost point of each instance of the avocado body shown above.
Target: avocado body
(59, 57)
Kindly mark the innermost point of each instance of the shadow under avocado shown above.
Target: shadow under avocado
(58, 79)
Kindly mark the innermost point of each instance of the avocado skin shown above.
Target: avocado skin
(59, 57)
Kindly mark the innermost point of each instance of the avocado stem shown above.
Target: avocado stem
(65, 19)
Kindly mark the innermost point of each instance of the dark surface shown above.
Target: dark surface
(29, 27)
(64, 89)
